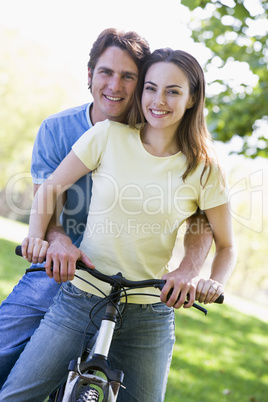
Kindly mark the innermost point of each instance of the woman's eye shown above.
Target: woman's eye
(173, 92)
(149, 88)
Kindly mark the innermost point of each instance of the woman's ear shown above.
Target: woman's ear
(191, 102)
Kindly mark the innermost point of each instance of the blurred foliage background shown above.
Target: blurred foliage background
(237, 97)
(237, 40)
(234, 36)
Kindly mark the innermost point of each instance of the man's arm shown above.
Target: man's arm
(197, 243)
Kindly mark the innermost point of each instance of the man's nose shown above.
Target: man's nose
(115, 83)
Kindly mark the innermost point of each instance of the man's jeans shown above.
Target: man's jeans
(20, 315)
(142, 347)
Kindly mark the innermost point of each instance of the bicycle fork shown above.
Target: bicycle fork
(85, 373)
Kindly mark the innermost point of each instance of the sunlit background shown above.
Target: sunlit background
(58, 35)
(44, 48)
(67, 29)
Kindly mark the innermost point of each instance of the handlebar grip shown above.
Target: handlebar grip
(219, 300)
(18, 251)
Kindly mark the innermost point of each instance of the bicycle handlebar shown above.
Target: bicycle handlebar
(118, 278)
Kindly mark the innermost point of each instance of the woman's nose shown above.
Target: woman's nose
(160, 99)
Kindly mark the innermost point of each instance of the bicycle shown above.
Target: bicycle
(90, 376)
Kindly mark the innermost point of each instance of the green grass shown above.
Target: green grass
(221, 357)
(12, 267)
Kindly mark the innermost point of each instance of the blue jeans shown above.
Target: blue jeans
(20, 315)
(142, 348)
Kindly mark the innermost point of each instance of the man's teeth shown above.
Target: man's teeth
(160, 112)
(112, 98)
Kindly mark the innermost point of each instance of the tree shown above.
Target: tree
(236, 34)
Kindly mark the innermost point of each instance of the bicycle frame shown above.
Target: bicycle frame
(97, 360)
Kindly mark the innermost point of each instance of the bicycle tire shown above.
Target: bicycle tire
(88, 394)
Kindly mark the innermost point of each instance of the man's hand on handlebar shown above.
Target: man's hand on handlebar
(177, 289)
(63, 254)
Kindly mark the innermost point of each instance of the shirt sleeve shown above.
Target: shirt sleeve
(215, 192)
(91, 145)
(45, 157)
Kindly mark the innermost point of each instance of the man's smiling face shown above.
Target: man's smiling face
(112, 85)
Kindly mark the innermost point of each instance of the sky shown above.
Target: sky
(69, 27)
(75, 24)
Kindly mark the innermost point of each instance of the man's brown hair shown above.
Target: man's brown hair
(137, 47)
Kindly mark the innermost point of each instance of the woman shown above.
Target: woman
(154, 176)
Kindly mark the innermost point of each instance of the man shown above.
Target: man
(113, 70)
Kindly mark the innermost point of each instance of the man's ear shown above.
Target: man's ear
(89, 77)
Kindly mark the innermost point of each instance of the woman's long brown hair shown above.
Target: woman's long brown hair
(193, 137)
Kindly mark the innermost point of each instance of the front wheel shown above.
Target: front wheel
(87, 394)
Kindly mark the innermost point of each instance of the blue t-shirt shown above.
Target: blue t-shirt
(54, 141)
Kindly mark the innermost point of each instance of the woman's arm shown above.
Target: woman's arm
(68, 172)
(225, 255)
(207, 290)
(61, 251)
(197, 243)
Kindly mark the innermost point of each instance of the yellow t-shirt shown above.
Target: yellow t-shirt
(138, 203)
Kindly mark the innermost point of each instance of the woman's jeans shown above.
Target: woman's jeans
(142, 348)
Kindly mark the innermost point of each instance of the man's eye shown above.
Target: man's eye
(106, 72)
(128, 77)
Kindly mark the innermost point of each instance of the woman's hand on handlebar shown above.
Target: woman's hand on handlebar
(179, 292)
(63, 255)
(208, 290)
(34, 249)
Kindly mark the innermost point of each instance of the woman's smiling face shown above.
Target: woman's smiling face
(166, 95)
